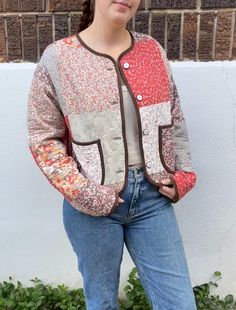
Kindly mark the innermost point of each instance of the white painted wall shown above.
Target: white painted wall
(33, 242)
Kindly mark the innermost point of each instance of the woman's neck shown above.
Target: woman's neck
(106, 37)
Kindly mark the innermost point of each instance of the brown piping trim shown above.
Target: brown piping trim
(68, 142)
(160, 128)
(98, 142)
(102, 161)
(68, 137)
(85, 143)
(123, 128)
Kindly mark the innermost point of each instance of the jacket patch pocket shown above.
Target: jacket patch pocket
(166, 147)
(89, 155)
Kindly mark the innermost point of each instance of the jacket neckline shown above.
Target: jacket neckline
(77, 34)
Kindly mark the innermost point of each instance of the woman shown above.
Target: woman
(106, 128)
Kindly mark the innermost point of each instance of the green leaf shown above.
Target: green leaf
(217, 273)
(229, 299)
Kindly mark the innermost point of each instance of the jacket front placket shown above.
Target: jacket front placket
(119, 66)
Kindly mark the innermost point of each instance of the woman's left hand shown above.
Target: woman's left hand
(166, 190)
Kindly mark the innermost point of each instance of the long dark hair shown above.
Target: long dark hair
(88, 14)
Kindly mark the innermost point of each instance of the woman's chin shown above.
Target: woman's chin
(119, 22)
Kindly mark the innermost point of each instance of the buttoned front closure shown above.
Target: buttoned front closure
(126, 65)
(139, 97)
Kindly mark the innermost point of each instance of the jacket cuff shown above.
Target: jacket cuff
(183, 182)
(96, 200)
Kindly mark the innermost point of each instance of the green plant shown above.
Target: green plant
(41, 296)
(205, 300)
(45, 297)
(135, 295)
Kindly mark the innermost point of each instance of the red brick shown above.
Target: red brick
(222, 44)
(170, 4)
(190, 36)
(32, 6)
(1, 5)
(158, 28)
(23, 5)
(234, 42)
(141, 21)
(206, 36)
(12, 5)
(73, 8)
(74, 23)
(65, 6)
(173, 36)
(61, 26)
(206, 4)
(29, 35)
(14, 38)
(45, 32)
(3, 56)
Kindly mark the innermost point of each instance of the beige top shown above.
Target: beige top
(131, 125)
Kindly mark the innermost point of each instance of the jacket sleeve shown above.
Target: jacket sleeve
(184, 177)
(46, 135)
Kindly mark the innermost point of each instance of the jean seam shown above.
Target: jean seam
(142, 272)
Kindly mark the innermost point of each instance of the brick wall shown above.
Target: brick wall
(199, 30)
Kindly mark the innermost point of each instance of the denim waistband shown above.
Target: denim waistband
(134, 172)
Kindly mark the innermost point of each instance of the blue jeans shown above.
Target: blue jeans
(146, 223)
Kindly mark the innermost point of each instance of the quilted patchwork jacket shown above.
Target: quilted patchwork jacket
(76, 127)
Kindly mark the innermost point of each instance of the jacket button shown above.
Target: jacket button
(148, 164)
(145, 131)
(139, 97)
(126, 65)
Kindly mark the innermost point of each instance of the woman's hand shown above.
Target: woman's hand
(120, 200)
(167, 190)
